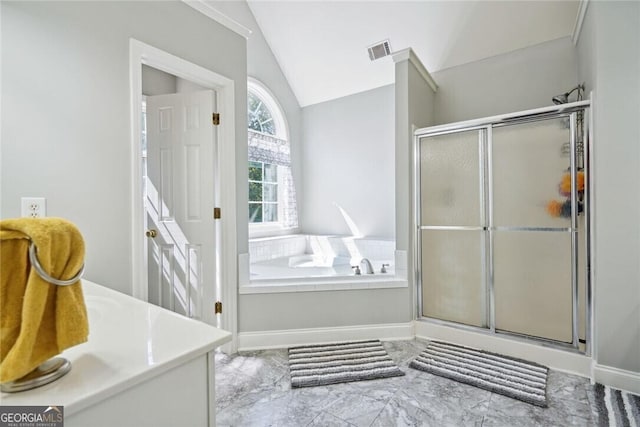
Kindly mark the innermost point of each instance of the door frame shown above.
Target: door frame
(141, 53)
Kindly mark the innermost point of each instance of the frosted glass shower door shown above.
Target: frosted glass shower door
(452, 236)
(531, 229)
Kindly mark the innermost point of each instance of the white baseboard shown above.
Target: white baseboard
(559, 360)
(617, 378)
(261, 340)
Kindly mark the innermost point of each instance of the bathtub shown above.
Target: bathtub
(314, 266)
(316, 262)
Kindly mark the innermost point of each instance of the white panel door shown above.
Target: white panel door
(179, 203)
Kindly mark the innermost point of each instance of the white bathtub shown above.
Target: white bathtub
(314, 266)
(301, 263)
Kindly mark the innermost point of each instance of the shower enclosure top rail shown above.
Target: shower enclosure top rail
(503, 119)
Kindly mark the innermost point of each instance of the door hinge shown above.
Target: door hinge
(216, 213)
(215, 118)
(217, 307)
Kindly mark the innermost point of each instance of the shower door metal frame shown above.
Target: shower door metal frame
(485, 127)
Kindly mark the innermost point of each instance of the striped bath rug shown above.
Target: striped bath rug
(315, 365)
(617, 408)
(508, 376)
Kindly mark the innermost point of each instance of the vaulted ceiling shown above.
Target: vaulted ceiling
(321, 46)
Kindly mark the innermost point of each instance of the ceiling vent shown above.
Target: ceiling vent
(379, 50)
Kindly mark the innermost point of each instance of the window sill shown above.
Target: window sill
(348, 283)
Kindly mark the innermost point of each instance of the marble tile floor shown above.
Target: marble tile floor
(253, 389)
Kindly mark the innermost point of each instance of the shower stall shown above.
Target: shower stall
(502, 225)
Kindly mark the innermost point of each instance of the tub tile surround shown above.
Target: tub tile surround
(253, 388)
(281, 251)
(268, 248)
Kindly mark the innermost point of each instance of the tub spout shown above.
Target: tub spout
(368, 268)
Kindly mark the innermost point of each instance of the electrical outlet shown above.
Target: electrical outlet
(34, 207)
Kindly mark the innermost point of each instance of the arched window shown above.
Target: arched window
(272, 196)
(260, 117)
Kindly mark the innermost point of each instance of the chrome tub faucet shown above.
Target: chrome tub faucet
(368, 268)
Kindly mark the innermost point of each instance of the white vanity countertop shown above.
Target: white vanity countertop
(130, 341)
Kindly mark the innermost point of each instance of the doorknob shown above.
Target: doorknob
(151, 233)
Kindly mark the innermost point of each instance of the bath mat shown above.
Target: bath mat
(316, 365)
(519, 379)
(616, 407)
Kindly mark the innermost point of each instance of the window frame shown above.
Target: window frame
(274, 228)
(272, 104)
(263, 200)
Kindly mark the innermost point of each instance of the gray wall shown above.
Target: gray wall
(157, 82)
(66, 114)
(415, 101)
(586, 54)
(348, 142)
(349, 160)
(272, 312)
(263, 66)
(610, 50)
(520, 80)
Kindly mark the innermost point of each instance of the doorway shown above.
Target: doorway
(181, 255)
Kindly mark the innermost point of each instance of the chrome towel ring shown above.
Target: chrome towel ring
(33, 257)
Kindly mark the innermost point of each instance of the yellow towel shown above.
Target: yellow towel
(38, 320)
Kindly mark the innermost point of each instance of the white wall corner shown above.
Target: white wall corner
(243, 269)
(409, 55)
(617, 378)
(208, 10)
(577, 27)
(400, 258)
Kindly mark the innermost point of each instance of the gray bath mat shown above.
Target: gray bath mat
(616, 407)
(340, 363)
(519, 379)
